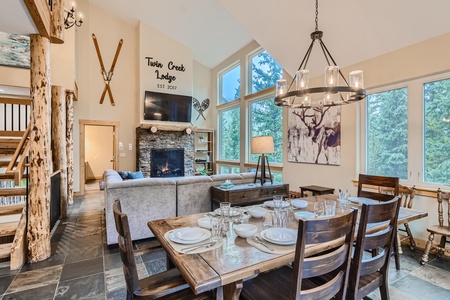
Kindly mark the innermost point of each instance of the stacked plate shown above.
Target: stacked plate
(232, 212)
(284, 204)
(279, 236)
(299, 203)
(304, 215)
(189, 235)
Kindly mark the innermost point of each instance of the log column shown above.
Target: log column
(69, 145)
(59, 142)
(38, 233)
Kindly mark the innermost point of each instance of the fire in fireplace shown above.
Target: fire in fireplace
(167, 162)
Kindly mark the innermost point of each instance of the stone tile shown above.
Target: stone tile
(394, 293)
(6, 271)
(416, 286)
(153, 255)
(82, 269)
(54, 260)
(89, 287)
(115, 279)
(87, 241)
(35, 279)
(433, 275)
(441, 263)
(5, 282)
(77, 254)
(146, 243)
(113, 261)
(156, 266)
(42, 293)
(118, 294)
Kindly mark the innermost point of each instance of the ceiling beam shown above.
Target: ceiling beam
(40, 13)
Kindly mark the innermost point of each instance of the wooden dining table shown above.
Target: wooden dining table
(225, 268)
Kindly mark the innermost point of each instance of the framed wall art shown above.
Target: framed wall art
(314, 135)
(14, 50)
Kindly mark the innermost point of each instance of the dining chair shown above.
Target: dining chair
(407, 195)
(443, 229)
(303, 279)
(368, 183)
(386, 188)
(377, 229)
(168, 285)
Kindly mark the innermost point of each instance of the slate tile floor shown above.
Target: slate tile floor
(82, 267)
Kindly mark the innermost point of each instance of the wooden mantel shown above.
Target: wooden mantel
(169, 127)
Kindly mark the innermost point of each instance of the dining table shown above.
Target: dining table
(225, 266)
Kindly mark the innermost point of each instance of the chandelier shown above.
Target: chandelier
(70, 18)
(331, 94)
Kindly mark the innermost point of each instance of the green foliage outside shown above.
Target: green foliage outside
(387, 133)
(230, 135)
(437, 131)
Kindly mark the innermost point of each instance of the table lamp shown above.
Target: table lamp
(262, 145)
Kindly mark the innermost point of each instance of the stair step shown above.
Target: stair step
(16, 191)
(8, 228)
(11, 209)
(5, 250)
(6, 176)
(5, 163)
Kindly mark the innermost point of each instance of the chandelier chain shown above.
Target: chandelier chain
(317, 15)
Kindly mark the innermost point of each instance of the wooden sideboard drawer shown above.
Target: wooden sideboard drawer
(242, 196)
(274, 191)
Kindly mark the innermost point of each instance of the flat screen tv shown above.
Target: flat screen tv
(167, 107)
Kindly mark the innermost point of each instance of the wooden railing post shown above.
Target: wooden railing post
(69, 145)
(38, 232)
(59, 142)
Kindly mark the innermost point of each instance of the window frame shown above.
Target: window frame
(225, 107)
(219, 81)
(416, 122)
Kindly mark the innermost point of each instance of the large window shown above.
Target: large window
(230, 134)
(230, 85)
(436, 98)
(407, 132)
(387, 133)
(266, 119)
(265, 71)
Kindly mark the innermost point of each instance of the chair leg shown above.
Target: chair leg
(412, 243)
(442, 246)
(399, 242)
(396, 252)
(427, 249)
(384, 291)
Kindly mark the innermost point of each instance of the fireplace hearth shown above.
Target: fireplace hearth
(167, 162)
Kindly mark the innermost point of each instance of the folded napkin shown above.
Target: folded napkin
(177, 247)
(278, 249)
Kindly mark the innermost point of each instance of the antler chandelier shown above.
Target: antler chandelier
(332, 93)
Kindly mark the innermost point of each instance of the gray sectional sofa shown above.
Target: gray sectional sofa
(158, 198)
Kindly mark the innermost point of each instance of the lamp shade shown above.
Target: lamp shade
(262, 144)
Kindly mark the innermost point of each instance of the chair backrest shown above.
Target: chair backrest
(126, 249)
(407, 194)
(441, 197)
(376, 231)
(332, 264)
(367, 183)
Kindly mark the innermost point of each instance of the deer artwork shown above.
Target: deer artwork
(323, 135)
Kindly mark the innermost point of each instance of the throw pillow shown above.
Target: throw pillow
(123, 174)
(135, 175)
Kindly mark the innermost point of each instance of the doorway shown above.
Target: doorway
(98, 149)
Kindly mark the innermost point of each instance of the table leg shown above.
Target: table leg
(230, 291)
(301, 193)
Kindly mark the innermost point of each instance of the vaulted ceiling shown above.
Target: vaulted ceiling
(354, 30)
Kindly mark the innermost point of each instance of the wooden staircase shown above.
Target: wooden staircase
(14, 148)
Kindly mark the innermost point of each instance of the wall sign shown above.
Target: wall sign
(165, 72)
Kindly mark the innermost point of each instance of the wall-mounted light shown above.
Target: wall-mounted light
(153, 129)
(70, 18)
(188, 131)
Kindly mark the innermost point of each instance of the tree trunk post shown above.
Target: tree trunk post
(59, 142)
(57, 23)
(69, 145)
(38, 233)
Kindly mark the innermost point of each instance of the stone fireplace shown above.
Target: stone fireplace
(165, 138)
(167, 162)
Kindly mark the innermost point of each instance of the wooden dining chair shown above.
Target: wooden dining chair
(368, 183)
(407, 195)
(305, 279)
(443, 229)
(168, 285)
(377, 230)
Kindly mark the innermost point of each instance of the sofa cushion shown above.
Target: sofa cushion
(123, 174)
(135, 175)
(220, 178)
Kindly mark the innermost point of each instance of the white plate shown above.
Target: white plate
(360, 200)
(280, 236)
(218, 212)
(299, 203)
(304, 215)
(283, 204)
(188, 233)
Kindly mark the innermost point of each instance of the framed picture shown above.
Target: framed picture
(14, 50)
(314, 135)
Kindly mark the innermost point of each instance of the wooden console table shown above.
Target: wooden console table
(316, 190)
(248, 194)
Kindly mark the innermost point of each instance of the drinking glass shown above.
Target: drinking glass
(225, 209)
(330, 207)
(280, 218)
(318, 208)
(268, 219)
(277, 202)
(216, 229)
(236, 213)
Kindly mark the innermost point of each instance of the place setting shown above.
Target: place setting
(192, 240)
(274, 240)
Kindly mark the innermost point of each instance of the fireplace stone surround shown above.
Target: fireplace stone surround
(163, 138)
